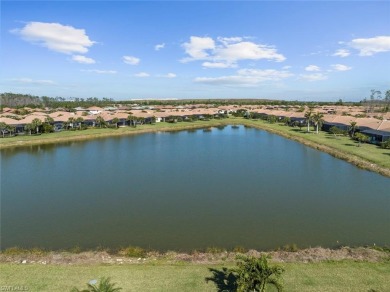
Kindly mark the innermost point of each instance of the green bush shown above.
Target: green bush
(254, 274)
(214, 250)
(239, 249)
(104, 286)
(386, 144)
(133, 252)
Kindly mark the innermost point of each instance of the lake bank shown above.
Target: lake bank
(369, 157)
(350, 270)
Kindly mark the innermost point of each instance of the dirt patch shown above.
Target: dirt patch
(101, 257)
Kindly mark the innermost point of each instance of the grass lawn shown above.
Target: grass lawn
(324, 276)
(368, 152)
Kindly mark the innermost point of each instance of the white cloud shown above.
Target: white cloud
(198, 46)
(313, 77)
(142, 74)
(56, 37)
(218, 65)
(342, 53)
(340, 67)
(83, 60)
(34, 82)
(101, 71)
(169, 75)
(371, 46)
(159, 46)
(246, 78)
(312, 68)
(227, 51)
(131, 60)
(286, 67)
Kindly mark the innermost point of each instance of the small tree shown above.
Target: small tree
(361, 138)
(335, 131)
(286, 121)
(272, 119)
(100, 121)
(254, 274)
(115, 121)
(352, 128)
(104, 286)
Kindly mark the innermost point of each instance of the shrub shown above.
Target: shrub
(386, 144)
(254, 274)
(214, 250)
(133, 252)
(290, 247)
(239, 249)
(104, 286)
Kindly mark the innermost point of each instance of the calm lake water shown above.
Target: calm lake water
(189, 190)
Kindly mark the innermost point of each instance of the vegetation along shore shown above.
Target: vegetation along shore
(134, 269)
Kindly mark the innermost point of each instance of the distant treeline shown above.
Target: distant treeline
(15, 100)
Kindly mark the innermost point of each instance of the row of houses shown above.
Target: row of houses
(377, 129)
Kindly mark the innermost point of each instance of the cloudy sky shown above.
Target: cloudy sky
(298, 50)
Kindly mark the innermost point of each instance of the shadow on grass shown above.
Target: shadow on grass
(224, 280)
(351, 145)
(386, 154)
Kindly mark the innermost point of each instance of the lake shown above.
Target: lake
(189, 190)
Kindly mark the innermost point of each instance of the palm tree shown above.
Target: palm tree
(71, 121)
(3, 128)
(49, 120)
(29, 128)
(79, 120)
(115, 121)
(308, 116)
(254, 274)
(132, 120)
(104, 286)
(317, 119)
(36, 123)
(11, 129)
(100, 121)
(352, 128)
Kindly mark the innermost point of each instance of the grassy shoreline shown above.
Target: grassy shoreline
(369, 157)
(316, 269)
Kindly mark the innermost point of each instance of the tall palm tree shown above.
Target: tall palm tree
(115, 121)
(79, 120)
(132, 120)
(29, 128)
(3, 128)
(11, 129)
(100, 121)
(71, 121)
(317, 119)
(36, 123)
(308, 116)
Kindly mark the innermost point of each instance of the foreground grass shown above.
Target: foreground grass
(323, 276)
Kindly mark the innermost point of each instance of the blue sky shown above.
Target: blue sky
(297, 50)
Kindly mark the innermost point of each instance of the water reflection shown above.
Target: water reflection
(188, 190)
